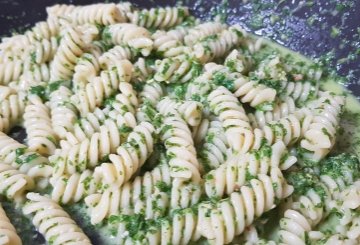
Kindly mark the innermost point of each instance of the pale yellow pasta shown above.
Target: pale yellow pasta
(37, 122)
(8, 235)
(13, 183)
(53, 222)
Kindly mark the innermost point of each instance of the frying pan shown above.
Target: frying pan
(326, 30)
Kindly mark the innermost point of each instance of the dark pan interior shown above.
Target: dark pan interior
(326, 29)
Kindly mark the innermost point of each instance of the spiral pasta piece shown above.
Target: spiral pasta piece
(44, 50)
(88, 153)
(70, 48)
(63, 112)
(320, 136)
(215, 147)
(40, 135)
(133, 196)
(95, 92)
(247, 90)
(11, 109)
(260, 118)
(180, 148)
(85, 127)
(86, 68)
(152, 92)
(104, 14)
(199, 132)
(120, 52)
(161, 18)
(237, 170)
(289, 129)
(73, 188)
(177, 69)
(129, 34)
(127, 100)
(190, 111)
(143, 71)
(53, 222)
(42, 30)
(169, 44)
(28, 162)
(201, 31)
(13, 183)
(300, 91)
(8, 235)
(130, 156)
(238, 130)
(10, 71)
(310, 208)
(58, 10)
(229, 217)
(217, 45)
(236, 61)
(34, 74)
(181, 228)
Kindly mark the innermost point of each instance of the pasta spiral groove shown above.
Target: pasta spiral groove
(40, 135)
(53, 222)
(161, 18)
(180, 148)
(13, 183)
(130, 156)
(8, 233)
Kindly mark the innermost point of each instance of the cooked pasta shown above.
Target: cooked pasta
(201, 31)
(234, 120)
(169, 44)
(99, 88)
(130, 34)
(104, 14)
(10, 71)
(320, 136)
(199, 131)
(28, 162)
(190, 111)
(239, 169)
(142, 71)
(215, 148)
(70, 48)
(161, 18)
(8, 235)
(34, 74)
(63, 112)
(40, 135)
(281, 109)
(130, 156)
(44, 50)
(152, 127)
(230, 216)
(145, 194)
(180, 148)
(178, 69)
(86, 68)
(300, 91)
(13, 183)
(12, 107)
(217, 45)
(74, 187)
(152, 92)
(120, 52)
(53, 222)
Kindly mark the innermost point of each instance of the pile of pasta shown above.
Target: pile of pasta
(170, 131)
